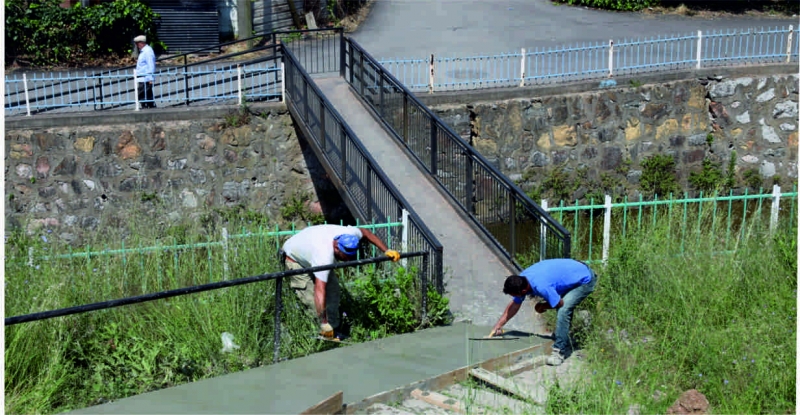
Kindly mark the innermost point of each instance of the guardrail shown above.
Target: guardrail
(367, 191)
(498, 206)
(633, 215)
(277, 277)
(598, 60)
(250, 75)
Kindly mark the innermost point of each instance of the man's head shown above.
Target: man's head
(345, 246)
(140, 41)
(516, 286)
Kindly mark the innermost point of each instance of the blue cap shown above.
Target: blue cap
(348, 244)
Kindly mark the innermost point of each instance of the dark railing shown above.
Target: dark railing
(180, 82)
(277, 277)
(369, 194)
(516, 225)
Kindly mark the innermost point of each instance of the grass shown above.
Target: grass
(667, 319)
(85, 359)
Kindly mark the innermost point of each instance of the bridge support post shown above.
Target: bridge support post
(342, 46)
(434, 149)
(405, 117)
(343, 147)
(321, 124)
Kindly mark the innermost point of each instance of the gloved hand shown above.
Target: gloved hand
(326, 330)
(394, 255)
(495, 332)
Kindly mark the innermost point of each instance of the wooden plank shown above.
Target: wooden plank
(525, 366)
(333, 404)
(442, 381)
(437, 399)
(504, 384)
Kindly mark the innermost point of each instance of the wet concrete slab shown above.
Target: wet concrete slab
(359, 370)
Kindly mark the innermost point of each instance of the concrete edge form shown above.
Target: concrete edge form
(445, 380)
(500, 94)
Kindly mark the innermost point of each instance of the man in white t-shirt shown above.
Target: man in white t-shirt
(318, 246)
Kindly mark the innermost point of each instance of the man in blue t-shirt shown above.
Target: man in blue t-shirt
(563, 284)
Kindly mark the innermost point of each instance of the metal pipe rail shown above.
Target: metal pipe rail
(506, 215)
(278, 277)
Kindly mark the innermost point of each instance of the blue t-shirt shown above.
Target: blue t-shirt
(552, 278)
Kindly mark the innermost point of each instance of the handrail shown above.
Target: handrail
(427, 234)
(278, 277)
(436, 124)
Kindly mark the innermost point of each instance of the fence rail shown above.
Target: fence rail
(515, 224)
(598, 60)
(251, 75)
(731, 212)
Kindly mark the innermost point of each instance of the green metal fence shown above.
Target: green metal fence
(174, 264)
(594, 226)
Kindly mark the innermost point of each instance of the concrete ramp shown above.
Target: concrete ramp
(474, 273)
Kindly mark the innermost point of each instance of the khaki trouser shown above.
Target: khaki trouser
(303, 287)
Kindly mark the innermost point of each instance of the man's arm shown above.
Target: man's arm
(510, 311)
(319, 300)
(373, 239)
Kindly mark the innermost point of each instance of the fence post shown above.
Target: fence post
(25, 86)
(776, 199)
(239, 83)
(430, 75)
(789, 45)
(135, 92)
(404, 236)
(543, 234)
(405, 117)
(30, 256)
(699, 47)
(522, 69)
(225, 252)
(283, 84)
(611, 58)
(277, 332)
(341, 54)
(322, 124)
(434, 147)
(606, 229)
(343, 147)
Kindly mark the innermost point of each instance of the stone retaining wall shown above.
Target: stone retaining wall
(78, 178)
(610, 132)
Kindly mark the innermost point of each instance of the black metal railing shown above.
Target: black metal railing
(370, 195)
(180, 82)
(421, 256)
(517, 225)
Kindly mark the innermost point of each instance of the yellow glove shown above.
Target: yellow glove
(326, 330)
(495, 332)
(394, 255)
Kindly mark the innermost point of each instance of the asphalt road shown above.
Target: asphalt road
(417, 28)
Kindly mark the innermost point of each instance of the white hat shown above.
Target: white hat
(140, 38)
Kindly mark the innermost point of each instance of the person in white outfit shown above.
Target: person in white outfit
(145, 69)
(321, 245)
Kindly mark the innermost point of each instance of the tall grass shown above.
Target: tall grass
(672, 314)
(86, 359)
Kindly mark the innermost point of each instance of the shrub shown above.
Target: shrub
(622, 5)
(658, 175)
(41, 32)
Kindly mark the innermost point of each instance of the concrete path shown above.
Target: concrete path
(417, 28)
(474, 274)
(359, 370)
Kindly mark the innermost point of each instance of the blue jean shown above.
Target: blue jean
(564, 317)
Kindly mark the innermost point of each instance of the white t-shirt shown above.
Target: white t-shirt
(313, 246)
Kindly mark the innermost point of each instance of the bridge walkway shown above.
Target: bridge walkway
(474, 272)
